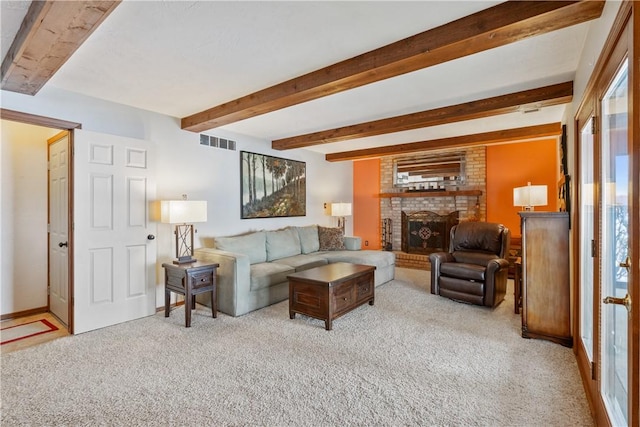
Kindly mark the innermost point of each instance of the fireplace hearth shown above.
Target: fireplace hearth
(426, 232)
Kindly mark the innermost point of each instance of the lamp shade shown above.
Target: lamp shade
(340, 209)
(530, 195)
(183, 211)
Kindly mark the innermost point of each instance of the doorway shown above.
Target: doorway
(35, 295)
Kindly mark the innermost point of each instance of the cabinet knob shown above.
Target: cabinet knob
(63, 244)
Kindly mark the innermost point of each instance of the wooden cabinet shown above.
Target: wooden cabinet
(546, 309)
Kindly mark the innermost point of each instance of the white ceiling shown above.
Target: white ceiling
(179, 58)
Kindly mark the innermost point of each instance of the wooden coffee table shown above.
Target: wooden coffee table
(329, 291)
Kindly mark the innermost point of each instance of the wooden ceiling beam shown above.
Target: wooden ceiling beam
(487, 138)
(50, 33)
(502, 24)
(557, 94)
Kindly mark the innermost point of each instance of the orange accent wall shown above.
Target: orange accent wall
(366, 202)
(513, 165)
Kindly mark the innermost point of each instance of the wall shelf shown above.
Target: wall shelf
(454, 193)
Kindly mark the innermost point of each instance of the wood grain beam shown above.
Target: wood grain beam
(50, 33)
(497, 26)
(540, 97)
(487, 138)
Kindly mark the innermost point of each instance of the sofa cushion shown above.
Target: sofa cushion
(266, 274)
(380, 259)
(331, 239)
(282, 243)
(309, 239)
(304, 262)
(253, 245)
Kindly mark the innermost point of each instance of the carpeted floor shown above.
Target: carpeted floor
(411, 359)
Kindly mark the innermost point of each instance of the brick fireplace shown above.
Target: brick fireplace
(469, 207)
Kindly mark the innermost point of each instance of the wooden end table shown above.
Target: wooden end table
(190, 280)
(329, 291)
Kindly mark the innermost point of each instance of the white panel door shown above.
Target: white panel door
(114, 250)
(59, 227)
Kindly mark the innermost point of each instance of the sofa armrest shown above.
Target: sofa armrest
(352, 243)
(436, 259)
(234, 277)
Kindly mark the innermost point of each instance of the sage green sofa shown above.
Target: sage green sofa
(254, 267)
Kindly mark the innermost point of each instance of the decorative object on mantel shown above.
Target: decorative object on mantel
(341, 210)
(271, 186)
(183, 213)
(530, 196)
(446, 193)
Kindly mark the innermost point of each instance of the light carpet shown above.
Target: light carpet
(26, 330)
(412, 359)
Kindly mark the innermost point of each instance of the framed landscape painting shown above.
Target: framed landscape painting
(272, 186)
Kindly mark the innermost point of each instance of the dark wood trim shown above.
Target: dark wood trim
(33, 119)
(487, 138)
(50, 33)
(561, 93)
(500, 25)
(24, 313)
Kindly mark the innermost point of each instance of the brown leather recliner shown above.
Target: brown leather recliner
(475, 269)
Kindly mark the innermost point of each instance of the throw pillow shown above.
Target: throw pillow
(331, 239)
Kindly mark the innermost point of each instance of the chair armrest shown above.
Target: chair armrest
(233, 277)
(352, 243)
(436, 259)
(496, 265)
(496, 281)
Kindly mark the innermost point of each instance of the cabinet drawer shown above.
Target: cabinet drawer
(200, 280)
(364, 288)
(343, 297)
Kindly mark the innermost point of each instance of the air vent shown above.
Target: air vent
(216, 142)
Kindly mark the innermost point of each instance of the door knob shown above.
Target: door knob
(61, 244)
(151, 237)
(626, 301)
(626, 264)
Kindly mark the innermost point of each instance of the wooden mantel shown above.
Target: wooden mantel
(453, 193)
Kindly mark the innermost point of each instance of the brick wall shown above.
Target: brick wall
(470, 208)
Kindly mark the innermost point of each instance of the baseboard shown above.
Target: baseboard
(179, 303)
(24, 313)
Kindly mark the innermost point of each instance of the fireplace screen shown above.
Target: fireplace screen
(425, 232)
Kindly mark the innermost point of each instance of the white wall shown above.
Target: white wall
(185, 167)
(24, 216)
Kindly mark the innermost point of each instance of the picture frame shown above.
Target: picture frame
(564, 194)
(271, 186)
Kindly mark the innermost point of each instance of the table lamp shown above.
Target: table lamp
(341, 210)
(530, 196)
(183, 213)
